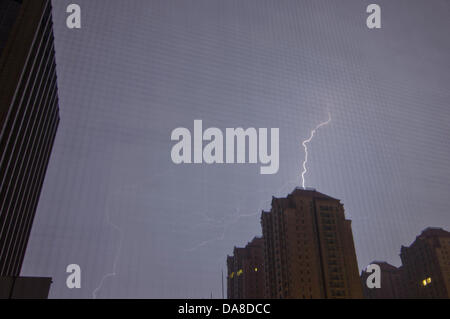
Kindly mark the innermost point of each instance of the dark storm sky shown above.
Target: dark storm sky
(139, 69)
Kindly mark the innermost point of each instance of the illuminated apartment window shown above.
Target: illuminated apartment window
(426, 282)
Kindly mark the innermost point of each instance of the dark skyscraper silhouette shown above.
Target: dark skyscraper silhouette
(426, 265)
(425, 270)
(29, 117)
(392, 282)
(309, 249)
(246, 276)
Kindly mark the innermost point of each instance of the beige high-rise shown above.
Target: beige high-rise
(309, 250)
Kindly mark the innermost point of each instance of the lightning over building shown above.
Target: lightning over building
(239, 216)
(305, 146)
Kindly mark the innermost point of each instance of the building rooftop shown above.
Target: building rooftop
(385, 265)
(311, 192)
(298, 191)
(434, 232)
(430, 232)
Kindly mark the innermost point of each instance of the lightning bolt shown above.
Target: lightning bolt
(235, 218)
(113, 272)
(116, 257)
(238, 216)
(305, 146)
(225, 226)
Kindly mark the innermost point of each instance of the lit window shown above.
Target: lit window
(239, 272)
(426, 282)
(256, 269)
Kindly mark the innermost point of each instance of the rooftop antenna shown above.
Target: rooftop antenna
(222, 286)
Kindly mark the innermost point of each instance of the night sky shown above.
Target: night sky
(113, 201)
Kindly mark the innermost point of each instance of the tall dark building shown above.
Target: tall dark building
(425, 270)
(246, 277)
(426, 264)
(392, 283)
(309, 250)
(29, 117)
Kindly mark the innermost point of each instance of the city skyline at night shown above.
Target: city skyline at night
(142, 140)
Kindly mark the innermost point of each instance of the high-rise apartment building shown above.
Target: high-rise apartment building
(309, 249)
(246, 278)
(29, 117)
(425, 272)
(391, 282)
(426, 264)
